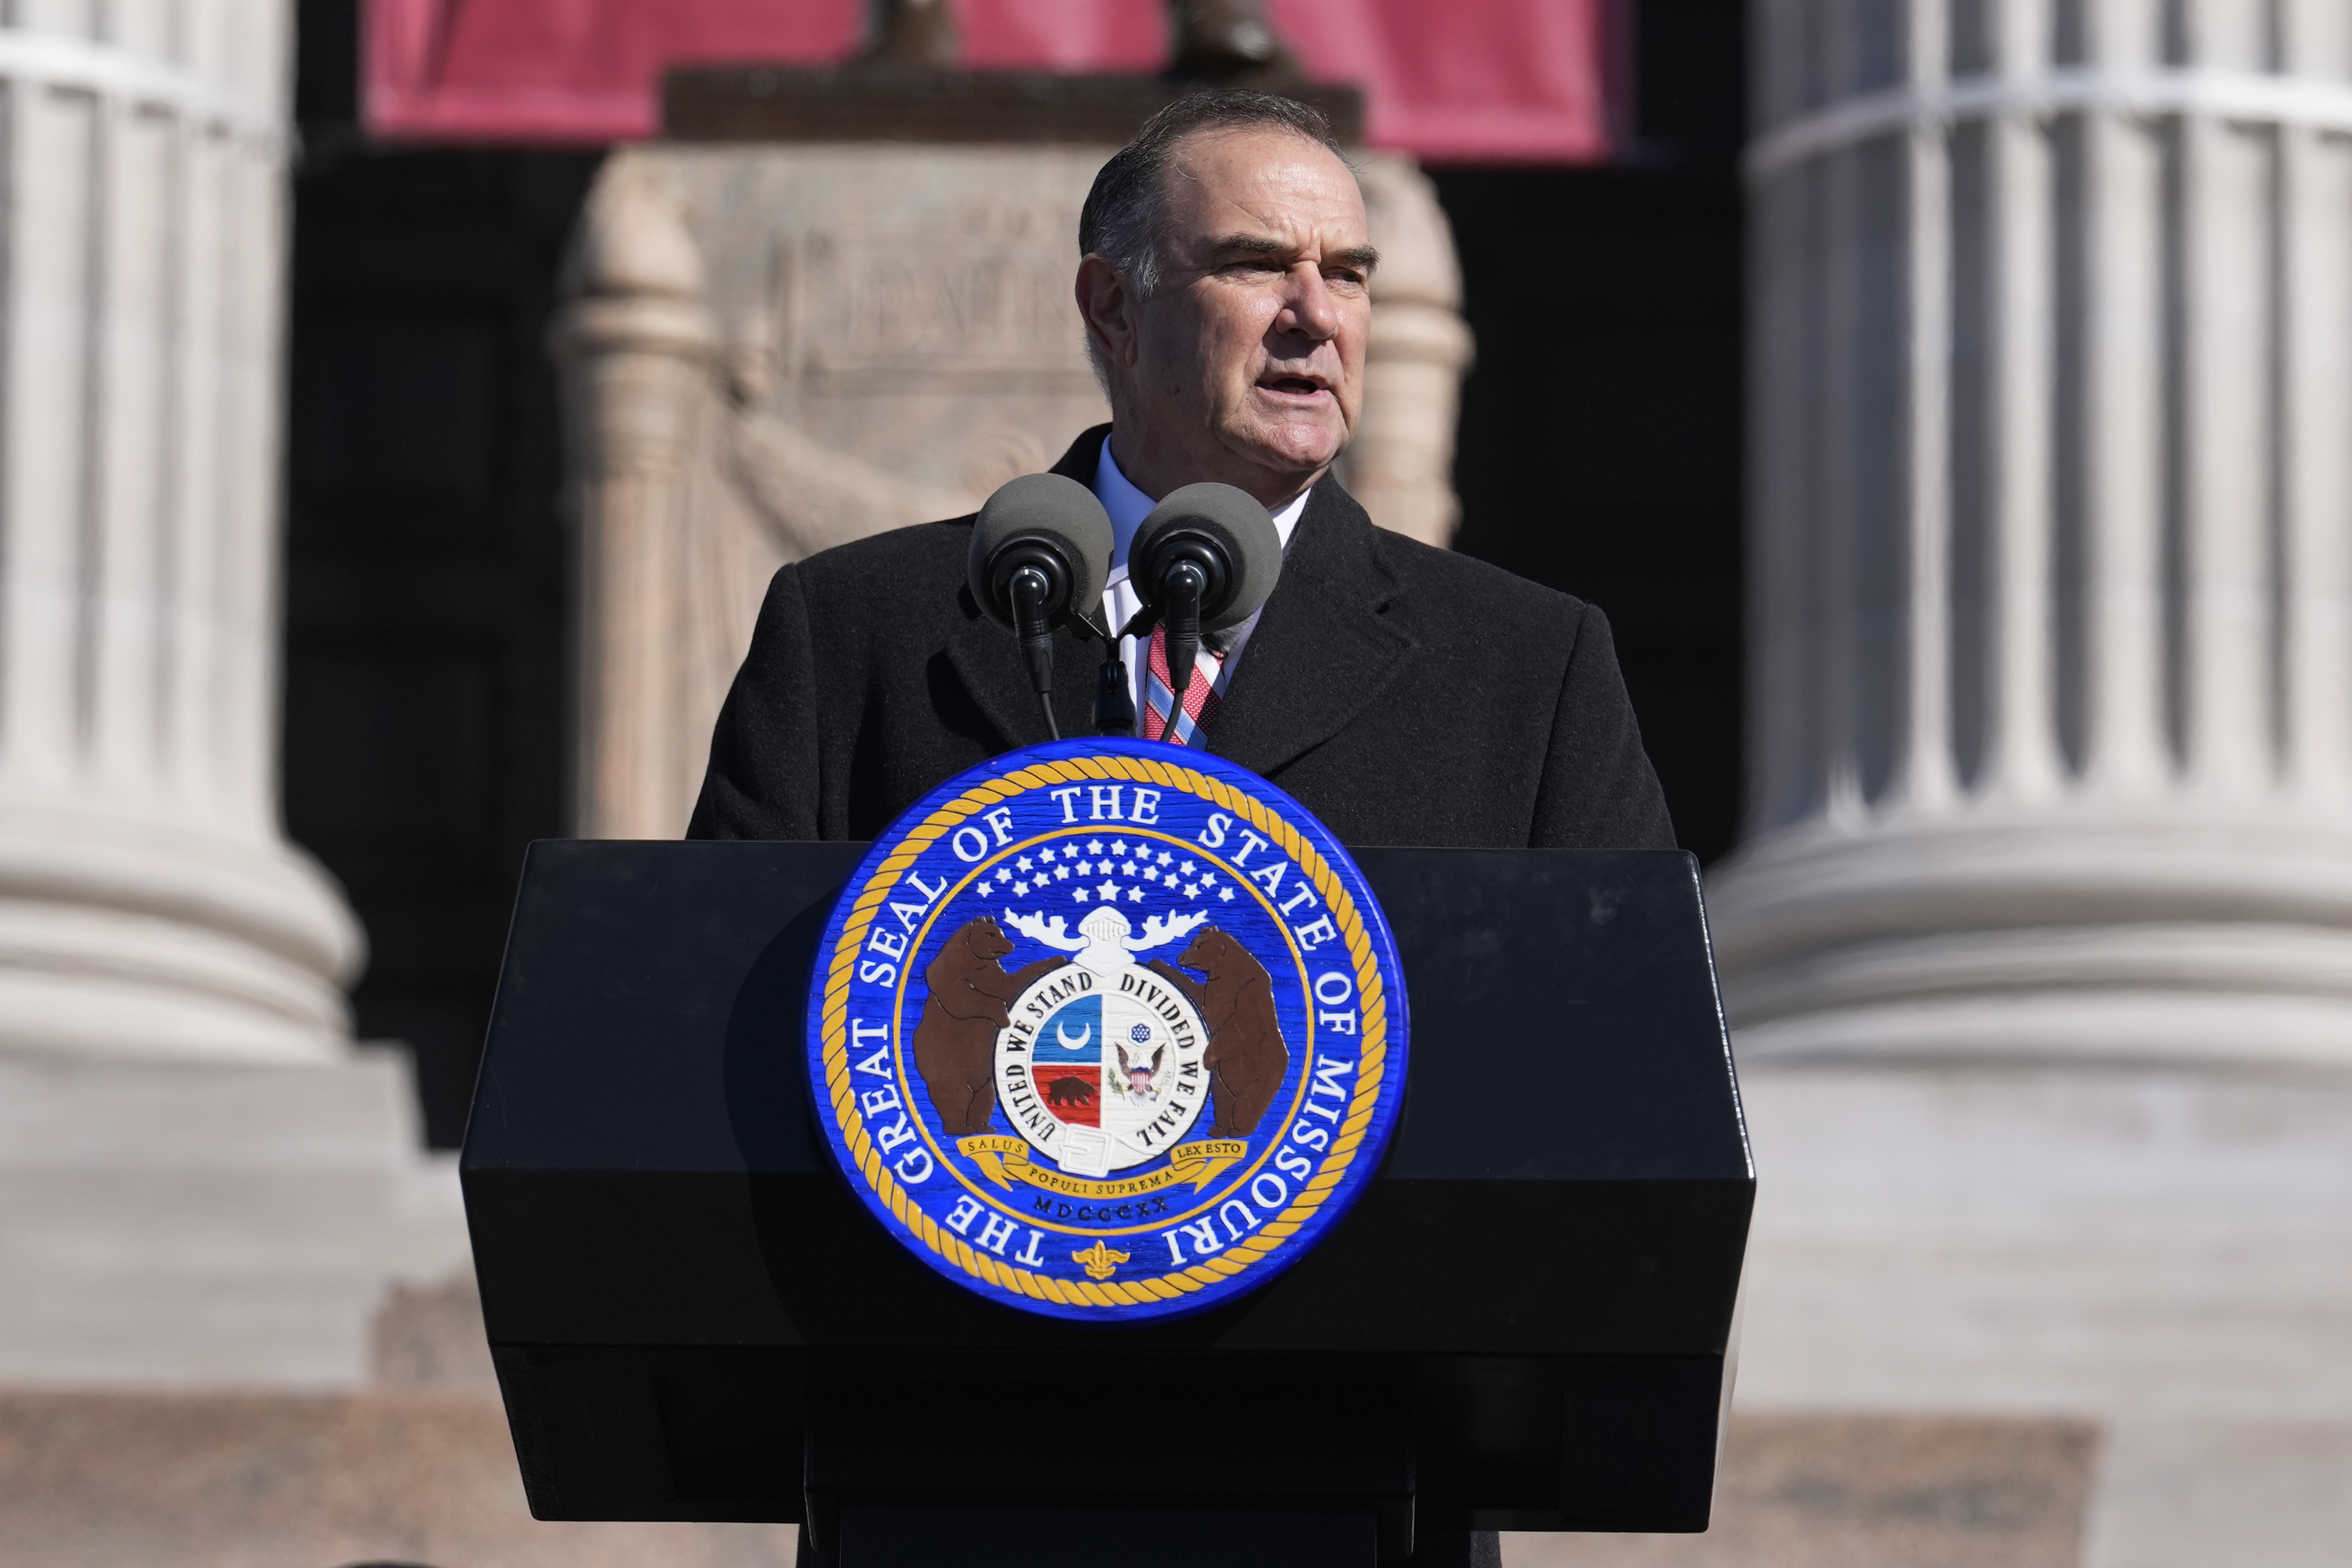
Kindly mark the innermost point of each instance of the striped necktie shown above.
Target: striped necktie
(1199, 696)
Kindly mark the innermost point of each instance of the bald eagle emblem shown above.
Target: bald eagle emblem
(1142, 1078)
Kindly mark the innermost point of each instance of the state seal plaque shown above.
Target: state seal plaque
(1108, 1030)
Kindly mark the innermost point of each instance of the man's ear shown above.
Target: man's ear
(1107, 306)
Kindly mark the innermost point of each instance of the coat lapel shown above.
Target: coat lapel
(987, 658)
(1078, 463)
(1323, 651)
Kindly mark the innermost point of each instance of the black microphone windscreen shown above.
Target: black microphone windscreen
(1233, 519)
(1055, 511)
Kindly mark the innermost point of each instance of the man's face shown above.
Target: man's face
(1247, 365)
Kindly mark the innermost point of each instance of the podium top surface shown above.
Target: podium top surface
(650, 1012)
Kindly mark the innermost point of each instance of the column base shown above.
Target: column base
(129, 937)
(2153, 1025)
(2052, 936)
(211, 1225)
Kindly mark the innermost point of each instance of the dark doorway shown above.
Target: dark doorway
(426, 564)
(1601, 442)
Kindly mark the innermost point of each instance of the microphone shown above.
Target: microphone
(1203, 561)
(1040, 551)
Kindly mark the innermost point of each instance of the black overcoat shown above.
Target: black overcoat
(1404, 694)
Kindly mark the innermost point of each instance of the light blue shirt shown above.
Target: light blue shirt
(1127, 507)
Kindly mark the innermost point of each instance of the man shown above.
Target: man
(1405, 695)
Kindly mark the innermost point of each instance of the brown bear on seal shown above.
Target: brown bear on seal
(955, 1043)
(1246, 1057)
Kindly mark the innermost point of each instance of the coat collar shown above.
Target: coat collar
(1326, 646)
(1323, 651)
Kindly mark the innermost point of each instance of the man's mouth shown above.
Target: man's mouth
(1295, 386)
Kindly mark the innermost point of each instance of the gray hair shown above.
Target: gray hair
(1122, 221)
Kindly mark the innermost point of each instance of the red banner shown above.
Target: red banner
(1449, 81)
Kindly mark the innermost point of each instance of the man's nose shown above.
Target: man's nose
(1308, 307)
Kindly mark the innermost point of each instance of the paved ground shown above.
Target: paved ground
(118, 1480)
(1866, 1492)
(188, 1480)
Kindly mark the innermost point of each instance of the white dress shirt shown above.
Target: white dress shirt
(1127, 507)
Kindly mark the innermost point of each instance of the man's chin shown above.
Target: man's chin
(1289, 447)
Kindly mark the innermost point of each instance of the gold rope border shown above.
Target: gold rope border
(1373, 1023)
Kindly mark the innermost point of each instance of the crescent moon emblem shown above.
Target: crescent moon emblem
(1062, 1033)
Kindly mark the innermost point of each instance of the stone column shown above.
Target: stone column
(637, 351)
(1401, 462)
(148, 903)
(2053, 624)
(199, 1180)
(2039, 948)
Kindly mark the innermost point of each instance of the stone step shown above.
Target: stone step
(217, 1225)
(59, 1113)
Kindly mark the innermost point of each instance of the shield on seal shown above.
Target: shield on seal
(1065, 1058)
(1100, 1063)
(1108, 1030)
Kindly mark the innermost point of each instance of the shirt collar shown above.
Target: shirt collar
(1129, 507)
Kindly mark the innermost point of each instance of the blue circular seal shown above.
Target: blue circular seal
(1108, 1030)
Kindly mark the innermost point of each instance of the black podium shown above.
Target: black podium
(1524, 1324)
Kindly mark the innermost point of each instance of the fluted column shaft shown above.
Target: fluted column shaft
(148, 903)
(2053, 520)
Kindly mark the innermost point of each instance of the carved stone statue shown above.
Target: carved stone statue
(1226, 40)
(919, 33)
(771, 350)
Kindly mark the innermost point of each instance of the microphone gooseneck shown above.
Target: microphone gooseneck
(1030, 585)
(1040, 551)
(1184, 586)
